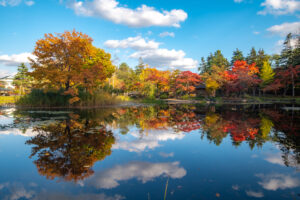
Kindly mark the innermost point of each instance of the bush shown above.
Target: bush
(164, 96)
(185, 97)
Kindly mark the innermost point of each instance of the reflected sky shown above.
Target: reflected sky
(228, 152)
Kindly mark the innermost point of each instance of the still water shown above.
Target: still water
(151, 152)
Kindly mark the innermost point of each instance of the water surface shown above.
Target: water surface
(187, 151)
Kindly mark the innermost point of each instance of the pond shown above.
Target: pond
(151, 152)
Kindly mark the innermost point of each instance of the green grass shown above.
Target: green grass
(4, 100)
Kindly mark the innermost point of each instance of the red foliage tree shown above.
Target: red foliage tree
(241, 77)
(186, 82)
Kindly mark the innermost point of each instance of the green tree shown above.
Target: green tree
(237, 55)
(286, 58)
(252, 57)
(203, 66)
(261, 58)
(22, 80)
(140, 67)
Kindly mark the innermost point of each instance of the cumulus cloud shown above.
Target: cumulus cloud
(166, 34)
(151, 54)
(285, 28)
(278, 181)
(251, 193)
(15, 59)
(15, 2)
(136, 43)
(142, 171)
(150, 141)
(143, 16)
(280, 7)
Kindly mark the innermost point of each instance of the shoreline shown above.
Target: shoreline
(215, 101)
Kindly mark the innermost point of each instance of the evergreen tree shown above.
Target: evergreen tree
(203, 66)
(219, 60)
(140, 67)
(237, 55)
(22, 80)
(252, 57)
(261, 58)
(286, 58)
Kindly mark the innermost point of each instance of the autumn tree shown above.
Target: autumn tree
(186, 82)
(69, 61)
(214, 79)
(241, 77)
(266, 74)
(69, 149)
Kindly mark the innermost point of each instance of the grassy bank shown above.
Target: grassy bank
(39, 98)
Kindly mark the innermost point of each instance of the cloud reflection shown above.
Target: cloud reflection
(142, 171)
(278, 181)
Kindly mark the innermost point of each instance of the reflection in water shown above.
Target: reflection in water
(66, 145)
(142, 171)
(69, 149)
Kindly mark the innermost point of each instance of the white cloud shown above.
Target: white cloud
(29, 3)
(136, 43)
(149, 141)
(165, 34)
(154, 56)
(142, 171)
(256, 32)
(285, 28)
(15, 59)
(143, 16)
(15, 2)
(238, 1)
(278, 181)
(251, 193)
(280, 7)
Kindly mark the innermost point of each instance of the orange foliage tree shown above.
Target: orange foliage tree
(69, 61)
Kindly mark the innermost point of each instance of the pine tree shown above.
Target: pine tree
(140, 67)
(261, 58)
(22, 79)
(286, 58)
(203, 66)
(237, 55)
(252, 57)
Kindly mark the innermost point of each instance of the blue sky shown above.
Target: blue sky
(168, 34)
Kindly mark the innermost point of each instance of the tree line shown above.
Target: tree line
(70, 64)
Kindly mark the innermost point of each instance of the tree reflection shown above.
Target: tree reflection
(70, 148)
